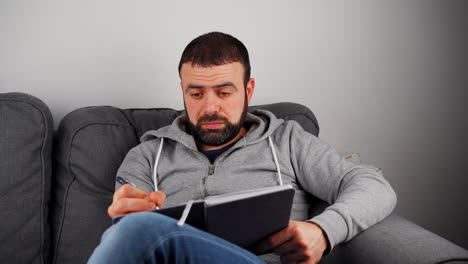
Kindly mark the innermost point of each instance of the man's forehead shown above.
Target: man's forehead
(227, 68)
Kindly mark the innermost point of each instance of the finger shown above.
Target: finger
(275, 240)
(293, 257)
(129, 191)
(158, 198)
(297, 242)
(127, 205)
(287, 247)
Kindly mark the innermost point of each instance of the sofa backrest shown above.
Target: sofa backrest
(91, 144)
(26, 130)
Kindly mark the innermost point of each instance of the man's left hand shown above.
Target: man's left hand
(300, 242)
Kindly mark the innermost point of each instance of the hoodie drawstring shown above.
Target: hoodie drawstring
(156, 161)
(280, 179)
(184, 216)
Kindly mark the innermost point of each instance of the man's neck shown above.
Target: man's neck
(209, 147)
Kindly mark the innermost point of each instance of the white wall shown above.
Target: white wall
(385, 79)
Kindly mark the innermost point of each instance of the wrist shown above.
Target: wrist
(323, 238)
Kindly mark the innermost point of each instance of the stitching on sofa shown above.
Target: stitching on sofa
(130, 122)
(42, 206)
(59, 230)
(43, 188)
(65, 196)
(92, 124)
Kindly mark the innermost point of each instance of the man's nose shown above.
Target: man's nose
(212, 105)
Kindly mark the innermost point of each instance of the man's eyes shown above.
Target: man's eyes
(223, 94)
(199, 95)
(196, 95)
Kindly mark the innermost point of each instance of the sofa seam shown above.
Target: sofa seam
(43, 187)
(65, 196)
(132, 125)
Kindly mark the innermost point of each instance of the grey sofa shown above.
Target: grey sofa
(53, 203)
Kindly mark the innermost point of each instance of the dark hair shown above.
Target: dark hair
(216, 48)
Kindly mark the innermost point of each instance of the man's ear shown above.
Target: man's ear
(249, 89)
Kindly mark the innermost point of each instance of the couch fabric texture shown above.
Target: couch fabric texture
(89, 146)
(26, 131)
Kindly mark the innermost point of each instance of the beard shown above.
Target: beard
(216, 137)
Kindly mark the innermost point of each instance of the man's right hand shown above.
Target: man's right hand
(129, 199)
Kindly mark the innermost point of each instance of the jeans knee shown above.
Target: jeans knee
(143, 223)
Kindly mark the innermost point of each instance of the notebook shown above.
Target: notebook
(243, 218)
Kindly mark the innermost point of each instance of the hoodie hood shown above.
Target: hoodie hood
(262, 124)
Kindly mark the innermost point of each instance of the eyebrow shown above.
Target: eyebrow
(224, 84)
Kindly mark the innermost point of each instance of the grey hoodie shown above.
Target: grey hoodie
(358, 197)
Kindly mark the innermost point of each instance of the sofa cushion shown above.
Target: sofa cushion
(26, 130)
(92, 143)
(396, 240)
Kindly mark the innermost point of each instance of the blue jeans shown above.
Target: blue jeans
(148, 237)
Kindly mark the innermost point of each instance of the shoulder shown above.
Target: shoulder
(290, 134)
(146, 148)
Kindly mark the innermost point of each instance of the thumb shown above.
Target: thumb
(158, 197)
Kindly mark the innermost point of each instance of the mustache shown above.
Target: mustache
(213, 117)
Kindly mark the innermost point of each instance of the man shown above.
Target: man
(217, 147)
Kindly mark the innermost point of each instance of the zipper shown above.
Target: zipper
(211, 167)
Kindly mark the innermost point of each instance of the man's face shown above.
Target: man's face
(216, 101)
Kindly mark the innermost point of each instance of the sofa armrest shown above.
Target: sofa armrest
(397, 240)
(26, 129)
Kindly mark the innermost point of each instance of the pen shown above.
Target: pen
(125, 181)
